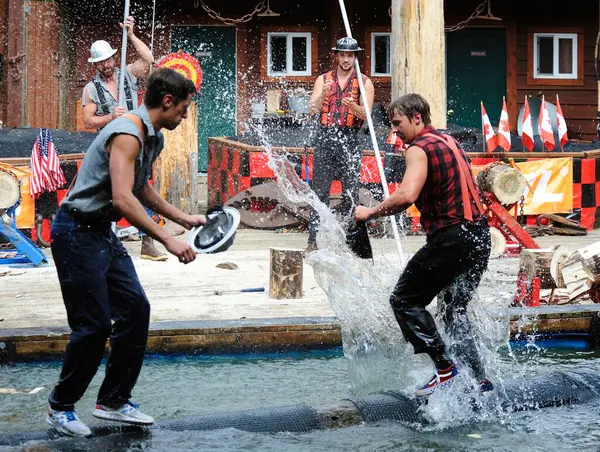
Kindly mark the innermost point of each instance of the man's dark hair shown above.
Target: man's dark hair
(165, 81)
(410, 104)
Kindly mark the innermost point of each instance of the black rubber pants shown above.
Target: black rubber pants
(337, 157)
(450, 265)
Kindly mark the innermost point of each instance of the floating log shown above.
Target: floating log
(285, 277)
(536, 264)
(505, 182)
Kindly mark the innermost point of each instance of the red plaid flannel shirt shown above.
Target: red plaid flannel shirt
(441, 199)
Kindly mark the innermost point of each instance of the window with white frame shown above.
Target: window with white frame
(380, 54)
(555, 55)
(289, 54)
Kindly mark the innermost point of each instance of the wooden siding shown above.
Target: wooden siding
(579, 103)
(43, 65)
(3, 52)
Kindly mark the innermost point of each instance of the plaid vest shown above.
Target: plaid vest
(441, 199)
(333, 113)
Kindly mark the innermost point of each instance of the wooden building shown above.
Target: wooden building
(539, 47)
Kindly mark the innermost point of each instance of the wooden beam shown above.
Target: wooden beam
(16, 63)
(511, 75)
(418, 53)
(66, 57)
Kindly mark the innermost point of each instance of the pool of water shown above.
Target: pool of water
(181, 386)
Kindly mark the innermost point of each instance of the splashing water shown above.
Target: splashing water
(378, 356)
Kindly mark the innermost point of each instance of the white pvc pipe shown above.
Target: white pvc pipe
(365, 103)
(122, 100)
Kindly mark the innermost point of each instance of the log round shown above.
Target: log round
(9, 190)
(286, 272)
(503, 181)
(498, 242)
(559, 259)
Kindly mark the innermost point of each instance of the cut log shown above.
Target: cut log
(505, 182)
(285, 278)
(536, 263)
(559, 259)
(575, 277)
(498, 242)
(591, 260)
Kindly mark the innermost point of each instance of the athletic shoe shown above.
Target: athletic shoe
(67, 422)
(439, 380)
(485, 385)
(127, 413)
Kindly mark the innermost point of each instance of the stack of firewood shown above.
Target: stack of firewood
(577, 271)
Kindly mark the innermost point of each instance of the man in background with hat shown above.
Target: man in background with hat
(100, 99)
(338, 156)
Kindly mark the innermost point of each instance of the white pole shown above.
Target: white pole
(122, 99)
(365, 103)
(153, 18)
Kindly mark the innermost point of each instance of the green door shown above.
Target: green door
(214, 47)
(476, 72)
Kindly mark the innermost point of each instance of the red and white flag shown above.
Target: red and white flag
(527, 128)
(488, 132)
(545, 127)
(46, 174)
(395, 140)
(504, 128)
(562, 124)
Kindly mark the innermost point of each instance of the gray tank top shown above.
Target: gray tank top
(91, 195)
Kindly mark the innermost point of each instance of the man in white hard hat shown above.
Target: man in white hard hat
(100, 99)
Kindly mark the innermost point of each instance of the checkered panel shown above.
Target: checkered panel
(586, 190)
(228, 172)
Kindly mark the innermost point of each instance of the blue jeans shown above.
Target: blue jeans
(104, 298)
(150, 214)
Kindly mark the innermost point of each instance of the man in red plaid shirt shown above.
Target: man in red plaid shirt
(439, 181)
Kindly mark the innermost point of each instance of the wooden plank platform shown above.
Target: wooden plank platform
(281, 334)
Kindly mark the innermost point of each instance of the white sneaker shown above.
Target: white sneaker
(127, 413)
(67, 422)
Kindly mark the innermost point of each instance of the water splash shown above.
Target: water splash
(378, 356)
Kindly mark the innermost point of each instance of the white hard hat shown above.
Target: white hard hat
(100, 51)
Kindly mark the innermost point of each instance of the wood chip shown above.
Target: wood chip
(228, 266)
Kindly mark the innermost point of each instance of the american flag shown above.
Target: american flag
(46, 174)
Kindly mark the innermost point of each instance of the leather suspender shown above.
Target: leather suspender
(102, 98)
(467, 187)
(128, 97)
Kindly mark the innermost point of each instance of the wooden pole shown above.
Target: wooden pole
(419, 53)
(122, 100)
(285, 275)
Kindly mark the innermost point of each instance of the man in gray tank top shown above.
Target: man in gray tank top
(101, 290)
(100, 98)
